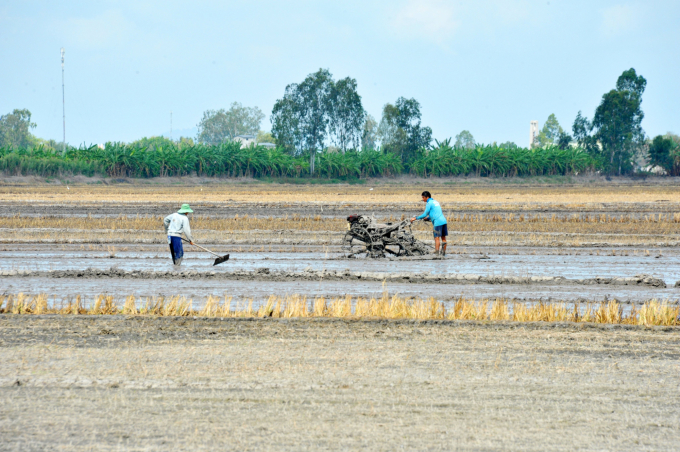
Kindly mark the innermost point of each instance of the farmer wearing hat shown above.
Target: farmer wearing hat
(176, 224)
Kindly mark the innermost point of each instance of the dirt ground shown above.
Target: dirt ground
(117, 383)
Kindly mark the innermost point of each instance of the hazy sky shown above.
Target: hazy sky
(488, 66)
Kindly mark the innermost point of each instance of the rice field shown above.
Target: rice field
(651, 313)
(551, 324)
(457, 195)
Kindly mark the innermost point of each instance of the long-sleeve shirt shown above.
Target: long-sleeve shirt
(176, 224)
(434, 210)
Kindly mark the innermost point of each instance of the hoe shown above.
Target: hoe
(219, 259)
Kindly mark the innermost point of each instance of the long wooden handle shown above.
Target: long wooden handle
(199, 246)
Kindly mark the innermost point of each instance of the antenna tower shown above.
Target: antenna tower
(63, 100)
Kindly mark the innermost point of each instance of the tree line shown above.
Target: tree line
(319, 127)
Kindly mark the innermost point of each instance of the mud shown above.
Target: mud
(117, 383)
(265, 274)
(61, 290)
(512, 262)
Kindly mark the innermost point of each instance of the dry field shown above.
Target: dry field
(566, 356)
(117, 383)
(513, 197)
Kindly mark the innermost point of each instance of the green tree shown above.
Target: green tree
(15, 129)
(582, 129)
(152, 143)
(550, 133)
(564, 140)
(369, 135)
(315, 109)
(465, 140)
(661, 153)
(285, 120)
(347, 114)
(314, 94)
(618, 120)
(400, 131)
(264, 137)
(508, 145)
(219, 126)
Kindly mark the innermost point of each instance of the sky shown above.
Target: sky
(487, 66)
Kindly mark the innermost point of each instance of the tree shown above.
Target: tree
(400, 130)
(316, 109)
(15, 129)
(369, 135)
(347, 114)
(582, 129)
(661, 152)
(564, 140)
(618, 120)
(550, 134)
(465, 140)
(185, 142)
(314, 94)
(218, 126)
(152, 143)
(285, 120)
(508, 145)
(264, 137)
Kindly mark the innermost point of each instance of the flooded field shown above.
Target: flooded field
(502, 236)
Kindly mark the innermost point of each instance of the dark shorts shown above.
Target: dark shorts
(441, 231)
(176, 249)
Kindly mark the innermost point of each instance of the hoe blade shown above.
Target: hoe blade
(219, 260)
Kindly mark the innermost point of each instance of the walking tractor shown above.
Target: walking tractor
(365, 236)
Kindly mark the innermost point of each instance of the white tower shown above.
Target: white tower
(533, 132)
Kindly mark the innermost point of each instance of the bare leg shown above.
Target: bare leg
(443, 246)
(436, 245)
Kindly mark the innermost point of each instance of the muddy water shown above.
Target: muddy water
(584, 265)
(258, 290)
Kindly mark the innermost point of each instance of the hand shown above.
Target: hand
(413, 219)
(191, 243)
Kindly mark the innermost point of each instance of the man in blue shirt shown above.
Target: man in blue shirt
(434, 210)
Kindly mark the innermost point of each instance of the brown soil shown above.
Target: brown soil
(119, 383)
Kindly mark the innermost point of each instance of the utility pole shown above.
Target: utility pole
(63, 101)
(170, 125)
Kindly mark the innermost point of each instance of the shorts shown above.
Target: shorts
(441, 231)
(176, 249)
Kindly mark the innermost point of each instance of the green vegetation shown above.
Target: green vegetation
(160, 157)
(494, 160)
(664, 151)
(316, 110)
(616, 130)
(220, 126)
(320, 130)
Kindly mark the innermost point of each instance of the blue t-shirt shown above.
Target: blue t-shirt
(434, 210)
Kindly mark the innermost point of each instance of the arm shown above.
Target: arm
(166, 223)
(187, 230)
(426, 213)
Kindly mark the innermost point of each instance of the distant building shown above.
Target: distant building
(533, 133)
(245, 140)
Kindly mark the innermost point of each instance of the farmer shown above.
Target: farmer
(176, 224)
(434, 210)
